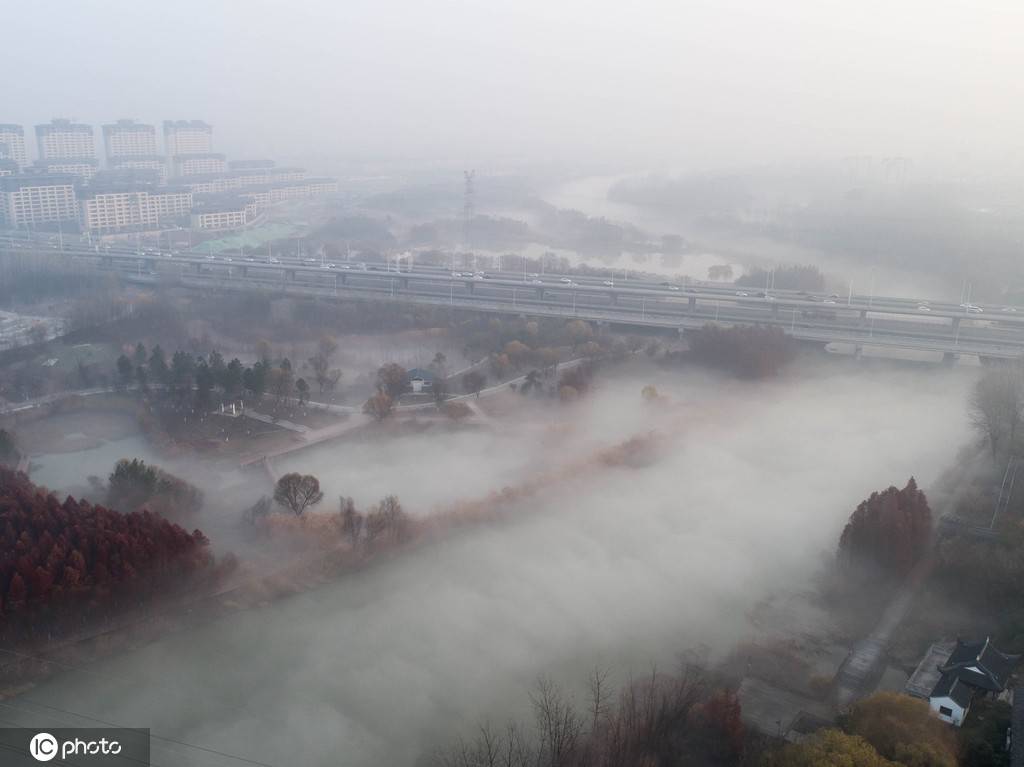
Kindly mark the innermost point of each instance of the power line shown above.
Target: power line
(151, 734)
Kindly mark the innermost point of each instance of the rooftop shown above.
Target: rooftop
(11, 128)
(980, 664)
(187, 125)
(14, 183)
(926, 675)
(59, 125)
(956, 690)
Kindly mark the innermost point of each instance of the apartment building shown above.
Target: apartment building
(63, 139)
(128, 138)
(84, 168)
(184, 137)
(251, 164)
(121, 208)
(12, 144)
(221, 212)
(37, 199)
(198, 164)
(154, 163)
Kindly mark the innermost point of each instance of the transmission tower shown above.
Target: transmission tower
(468, 212)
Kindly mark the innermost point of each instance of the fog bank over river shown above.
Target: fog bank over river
(616, 566)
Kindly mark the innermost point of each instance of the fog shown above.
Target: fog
(491, 84)
(614, 566)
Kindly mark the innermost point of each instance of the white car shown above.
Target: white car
(828, 301)
(1009, 309)
(456, 274)
(673, 287)
(332, 266)
(273, 260)
(534, 274)
(971, 308)
(609, 283)
(924, 308)
(566, 280)
(537, 282)
(769, 298)
(742, 293)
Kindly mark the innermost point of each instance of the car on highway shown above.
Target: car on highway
(769, 298)
(534, 274)
(608, 283)
(273, 260)
(1009, 309)
(227, 258)
(250, 259)
(537, 282)
(565, 280)
(828, 301)
(742, 293)
(330, 266)
(674, 287)
(924, 308)
(972, 308)
(456, 274)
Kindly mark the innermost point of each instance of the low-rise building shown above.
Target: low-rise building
(84, 168)
(29, 200)
(951, 676)
(121, 208)
(198, 164)
(145, 163)
(220, 212)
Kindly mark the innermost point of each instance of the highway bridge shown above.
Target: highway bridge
(857, 320)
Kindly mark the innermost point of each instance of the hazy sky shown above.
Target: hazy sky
(640, 83)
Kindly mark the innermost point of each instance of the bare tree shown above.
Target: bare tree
(996, 407)
(380, 406)
(297, 492)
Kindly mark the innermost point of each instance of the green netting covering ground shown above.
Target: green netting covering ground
(251, 238)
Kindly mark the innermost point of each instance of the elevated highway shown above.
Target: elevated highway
(861, 321)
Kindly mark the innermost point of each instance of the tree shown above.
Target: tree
(124, 371)
(579, 332)
(9, 453)
(140, 354)
(439, 391)
(158, 365)
(996, 407)
(828, 748)
(257, 511)
(182, 370)
(531, 382)
(351, 521)
(380, 406)
(650, 393)
(37, 332)
(890, 530)
(903, 729)
(303, 390)
(439, 365)
(232, 379)
(325, 377)
(473, 382)
(748, 351)
(204, 385)
(387, 520)
(391, 379)
(296, 492)
(457, 410)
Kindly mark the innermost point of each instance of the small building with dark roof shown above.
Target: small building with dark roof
(972, 669)
(419, 381)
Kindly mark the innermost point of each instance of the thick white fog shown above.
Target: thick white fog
(622, 567)
(650, 83)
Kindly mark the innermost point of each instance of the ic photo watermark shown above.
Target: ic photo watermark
(92, 747)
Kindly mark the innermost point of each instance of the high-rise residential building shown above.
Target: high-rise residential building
(128, 138)
(187, 137)
(198, 164)
(12, 144)
(65, 140)
(37, 199)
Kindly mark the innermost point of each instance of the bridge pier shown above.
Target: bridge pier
(691, 304)
(471, 286)
(613, 297)
(245, 271)
(858, 352)
(198, 267)
(404, 282)
(289, 275)
(955, 324)
(540, 293)
(775, 311)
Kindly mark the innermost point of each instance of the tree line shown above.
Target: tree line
(61, 562)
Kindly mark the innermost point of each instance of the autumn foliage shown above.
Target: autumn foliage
(62, 560)
(748, 351)
(891, 530)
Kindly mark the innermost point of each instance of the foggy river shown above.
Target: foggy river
(622, 567)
